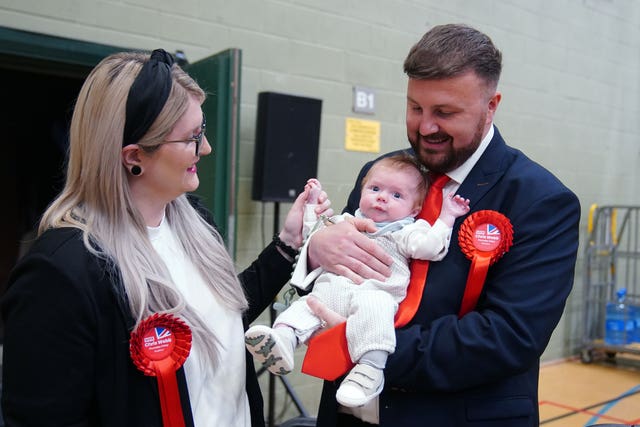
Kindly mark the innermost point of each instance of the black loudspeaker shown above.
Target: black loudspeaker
(286, 148)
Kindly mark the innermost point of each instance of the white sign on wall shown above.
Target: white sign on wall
(364, 100)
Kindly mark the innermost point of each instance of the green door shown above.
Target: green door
(219, 76)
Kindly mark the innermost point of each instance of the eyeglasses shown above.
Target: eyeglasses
(197, 139)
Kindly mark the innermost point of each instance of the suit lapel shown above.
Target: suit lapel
(487, 172)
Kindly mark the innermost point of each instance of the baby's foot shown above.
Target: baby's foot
(363, 383)
(270, 349)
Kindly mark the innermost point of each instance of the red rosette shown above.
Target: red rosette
(159, 346)
(484, 237)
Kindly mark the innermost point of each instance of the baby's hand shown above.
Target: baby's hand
(315, 188)
(459, 205)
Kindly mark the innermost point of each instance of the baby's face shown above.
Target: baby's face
(390, 194)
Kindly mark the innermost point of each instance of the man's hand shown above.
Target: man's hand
(329, 317)
(342, 249)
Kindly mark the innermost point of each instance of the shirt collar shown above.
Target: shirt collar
(460, 173)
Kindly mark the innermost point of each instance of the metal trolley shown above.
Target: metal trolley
(612, 257)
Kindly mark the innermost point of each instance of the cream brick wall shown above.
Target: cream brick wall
(571, 95)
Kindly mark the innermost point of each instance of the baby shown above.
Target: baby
(392, 195)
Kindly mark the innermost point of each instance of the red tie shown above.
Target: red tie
(334, 340)
(430, 212)
(433, 202)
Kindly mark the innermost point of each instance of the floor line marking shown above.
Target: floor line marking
(575, 411)
(611, 404)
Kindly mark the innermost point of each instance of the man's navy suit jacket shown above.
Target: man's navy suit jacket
(482, 369)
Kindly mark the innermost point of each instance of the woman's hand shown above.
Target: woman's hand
(291, 233)
(343, 249)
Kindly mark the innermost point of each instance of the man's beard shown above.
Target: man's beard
(440, 162)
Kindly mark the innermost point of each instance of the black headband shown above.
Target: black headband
(147, 96)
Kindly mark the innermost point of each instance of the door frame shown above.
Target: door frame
(28, 51)
(219, 76)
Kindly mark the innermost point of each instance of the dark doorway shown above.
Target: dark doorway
(40, 77)
(34, 118)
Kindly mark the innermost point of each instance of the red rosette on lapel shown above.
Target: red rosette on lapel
(484, 237)
(159, 346)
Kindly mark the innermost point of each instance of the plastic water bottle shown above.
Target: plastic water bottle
(636, 310)
(620, 321)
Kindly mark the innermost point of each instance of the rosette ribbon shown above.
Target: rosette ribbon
(484, 237)
(159, 346)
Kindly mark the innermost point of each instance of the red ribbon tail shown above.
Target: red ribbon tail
(169, 396)
(327, 355)
(475, 282)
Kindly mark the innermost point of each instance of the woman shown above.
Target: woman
(122, 242)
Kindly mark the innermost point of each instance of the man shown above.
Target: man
(480, 368)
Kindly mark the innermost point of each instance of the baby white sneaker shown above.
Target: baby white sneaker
(270, 349)
(360, 386)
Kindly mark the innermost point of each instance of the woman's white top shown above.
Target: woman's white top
(218, 396)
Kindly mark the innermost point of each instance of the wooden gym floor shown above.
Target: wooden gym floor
(576, 394)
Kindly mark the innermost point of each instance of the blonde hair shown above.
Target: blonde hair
(97, 200)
